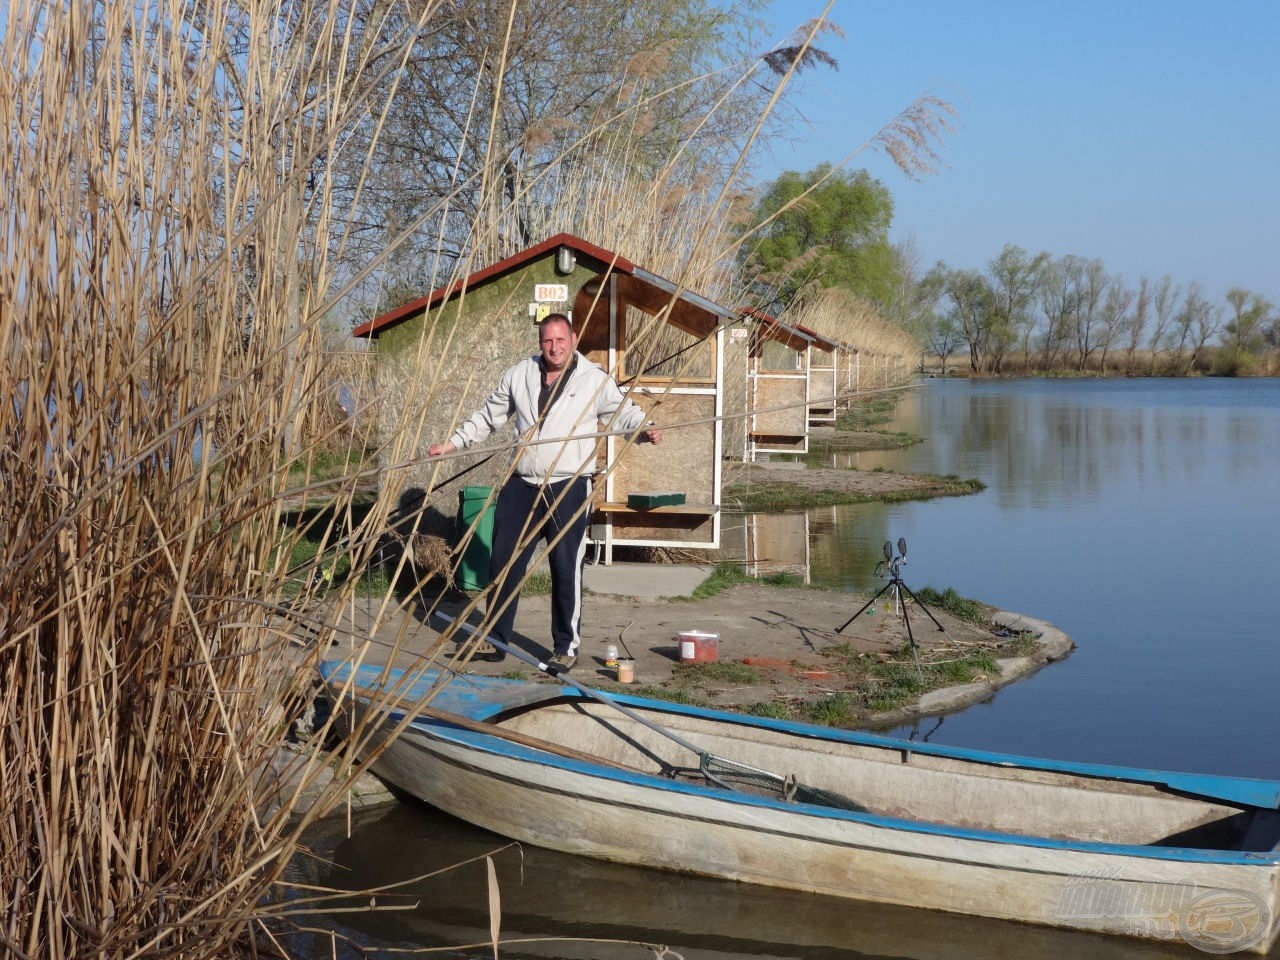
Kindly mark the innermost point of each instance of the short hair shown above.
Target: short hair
(555, 318)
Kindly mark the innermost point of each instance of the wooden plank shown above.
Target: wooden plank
(692, 509)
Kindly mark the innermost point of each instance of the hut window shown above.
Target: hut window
(656, 349)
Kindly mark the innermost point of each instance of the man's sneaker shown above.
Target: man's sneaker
(483, 650)
(562, 662)
(489, 653)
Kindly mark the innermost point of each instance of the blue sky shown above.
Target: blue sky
(1145, 134)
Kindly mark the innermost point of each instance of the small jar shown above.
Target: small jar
(611, 655)
(626, 671)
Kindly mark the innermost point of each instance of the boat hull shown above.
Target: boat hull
(1220, 905)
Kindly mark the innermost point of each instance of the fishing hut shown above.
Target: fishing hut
(825, 377)
(774, 359)
(662, 343)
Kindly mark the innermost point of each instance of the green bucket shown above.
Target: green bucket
(475, 520)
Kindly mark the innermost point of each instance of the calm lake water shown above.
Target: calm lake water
(1141, 517)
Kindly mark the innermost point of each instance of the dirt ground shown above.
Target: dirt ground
(790, 637)
(787, 636)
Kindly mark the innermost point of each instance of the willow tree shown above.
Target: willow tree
(824, 228)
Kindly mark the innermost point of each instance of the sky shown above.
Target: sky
(1144, 134)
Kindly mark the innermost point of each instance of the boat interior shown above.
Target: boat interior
(898, 781)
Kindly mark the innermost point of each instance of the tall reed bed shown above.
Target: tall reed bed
(888, 355)
(163, 276)
(171, 227)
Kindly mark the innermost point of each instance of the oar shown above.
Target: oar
(786, 786)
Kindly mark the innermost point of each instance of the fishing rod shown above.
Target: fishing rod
(520, 443)
(621, 383)
(604, 434)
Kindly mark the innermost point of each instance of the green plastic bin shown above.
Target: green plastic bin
(474, 509)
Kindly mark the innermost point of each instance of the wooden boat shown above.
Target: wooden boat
(431, 870)
(1162, 855)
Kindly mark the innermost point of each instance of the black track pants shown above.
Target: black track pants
(523, 516)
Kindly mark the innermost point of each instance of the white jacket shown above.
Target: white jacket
(588, 400)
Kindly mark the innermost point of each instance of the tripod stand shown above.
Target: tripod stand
(893, 566)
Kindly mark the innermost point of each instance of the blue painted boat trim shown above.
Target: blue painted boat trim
(481, 698)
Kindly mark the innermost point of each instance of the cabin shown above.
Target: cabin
(849, 371)
(826, 376)
(663, 344)
(774, 396)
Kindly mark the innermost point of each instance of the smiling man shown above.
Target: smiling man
(559, 396)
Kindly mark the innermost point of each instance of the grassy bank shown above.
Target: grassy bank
(872, 684)
(763, 495)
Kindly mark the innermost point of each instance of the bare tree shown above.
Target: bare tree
(1197, 323)
(1166, 305)
(971, 313)
(1014, 279)
(501, 101)
(1091, 280)
(1184, 324)
(1137, 324)
(1113, 318)
(1059, 302)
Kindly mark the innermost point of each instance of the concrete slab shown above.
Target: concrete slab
(645, 580)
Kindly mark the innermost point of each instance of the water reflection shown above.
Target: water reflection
(843, 544)
(1136, 515)
(550, 900)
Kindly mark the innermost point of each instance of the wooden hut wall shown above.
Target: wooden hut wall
(779, 418)
(737, 393)
(478, 338)
(779, 393)
(684, 397)
(823, 386)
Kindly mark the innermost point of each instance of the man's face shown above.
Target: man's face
(557, 342)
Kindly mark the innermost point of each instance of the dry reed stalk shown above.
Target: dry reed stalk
(887, 352)
(163, 366)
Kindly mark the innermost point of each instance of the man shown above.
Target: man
(557, 394)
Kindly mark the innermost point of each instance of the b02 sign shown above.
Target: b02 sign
(550, 292)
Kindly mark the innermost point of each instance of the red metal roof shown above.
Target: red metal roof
(823, 341)
(604, 258)
(771, 327)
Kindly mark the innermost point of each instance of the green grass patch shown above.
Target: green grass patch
(1021, 644)
(669, 694)
(971, 611)
(867, 413)
(729, 574)
(772, 710)
(328, 464)
(879, 685)
(837, 710)
(820, 449)
(722, 671)
(773, 495)
(536, 585)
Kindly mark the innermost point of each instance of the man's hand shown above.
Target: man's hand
(651, 435)
(440, 449)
